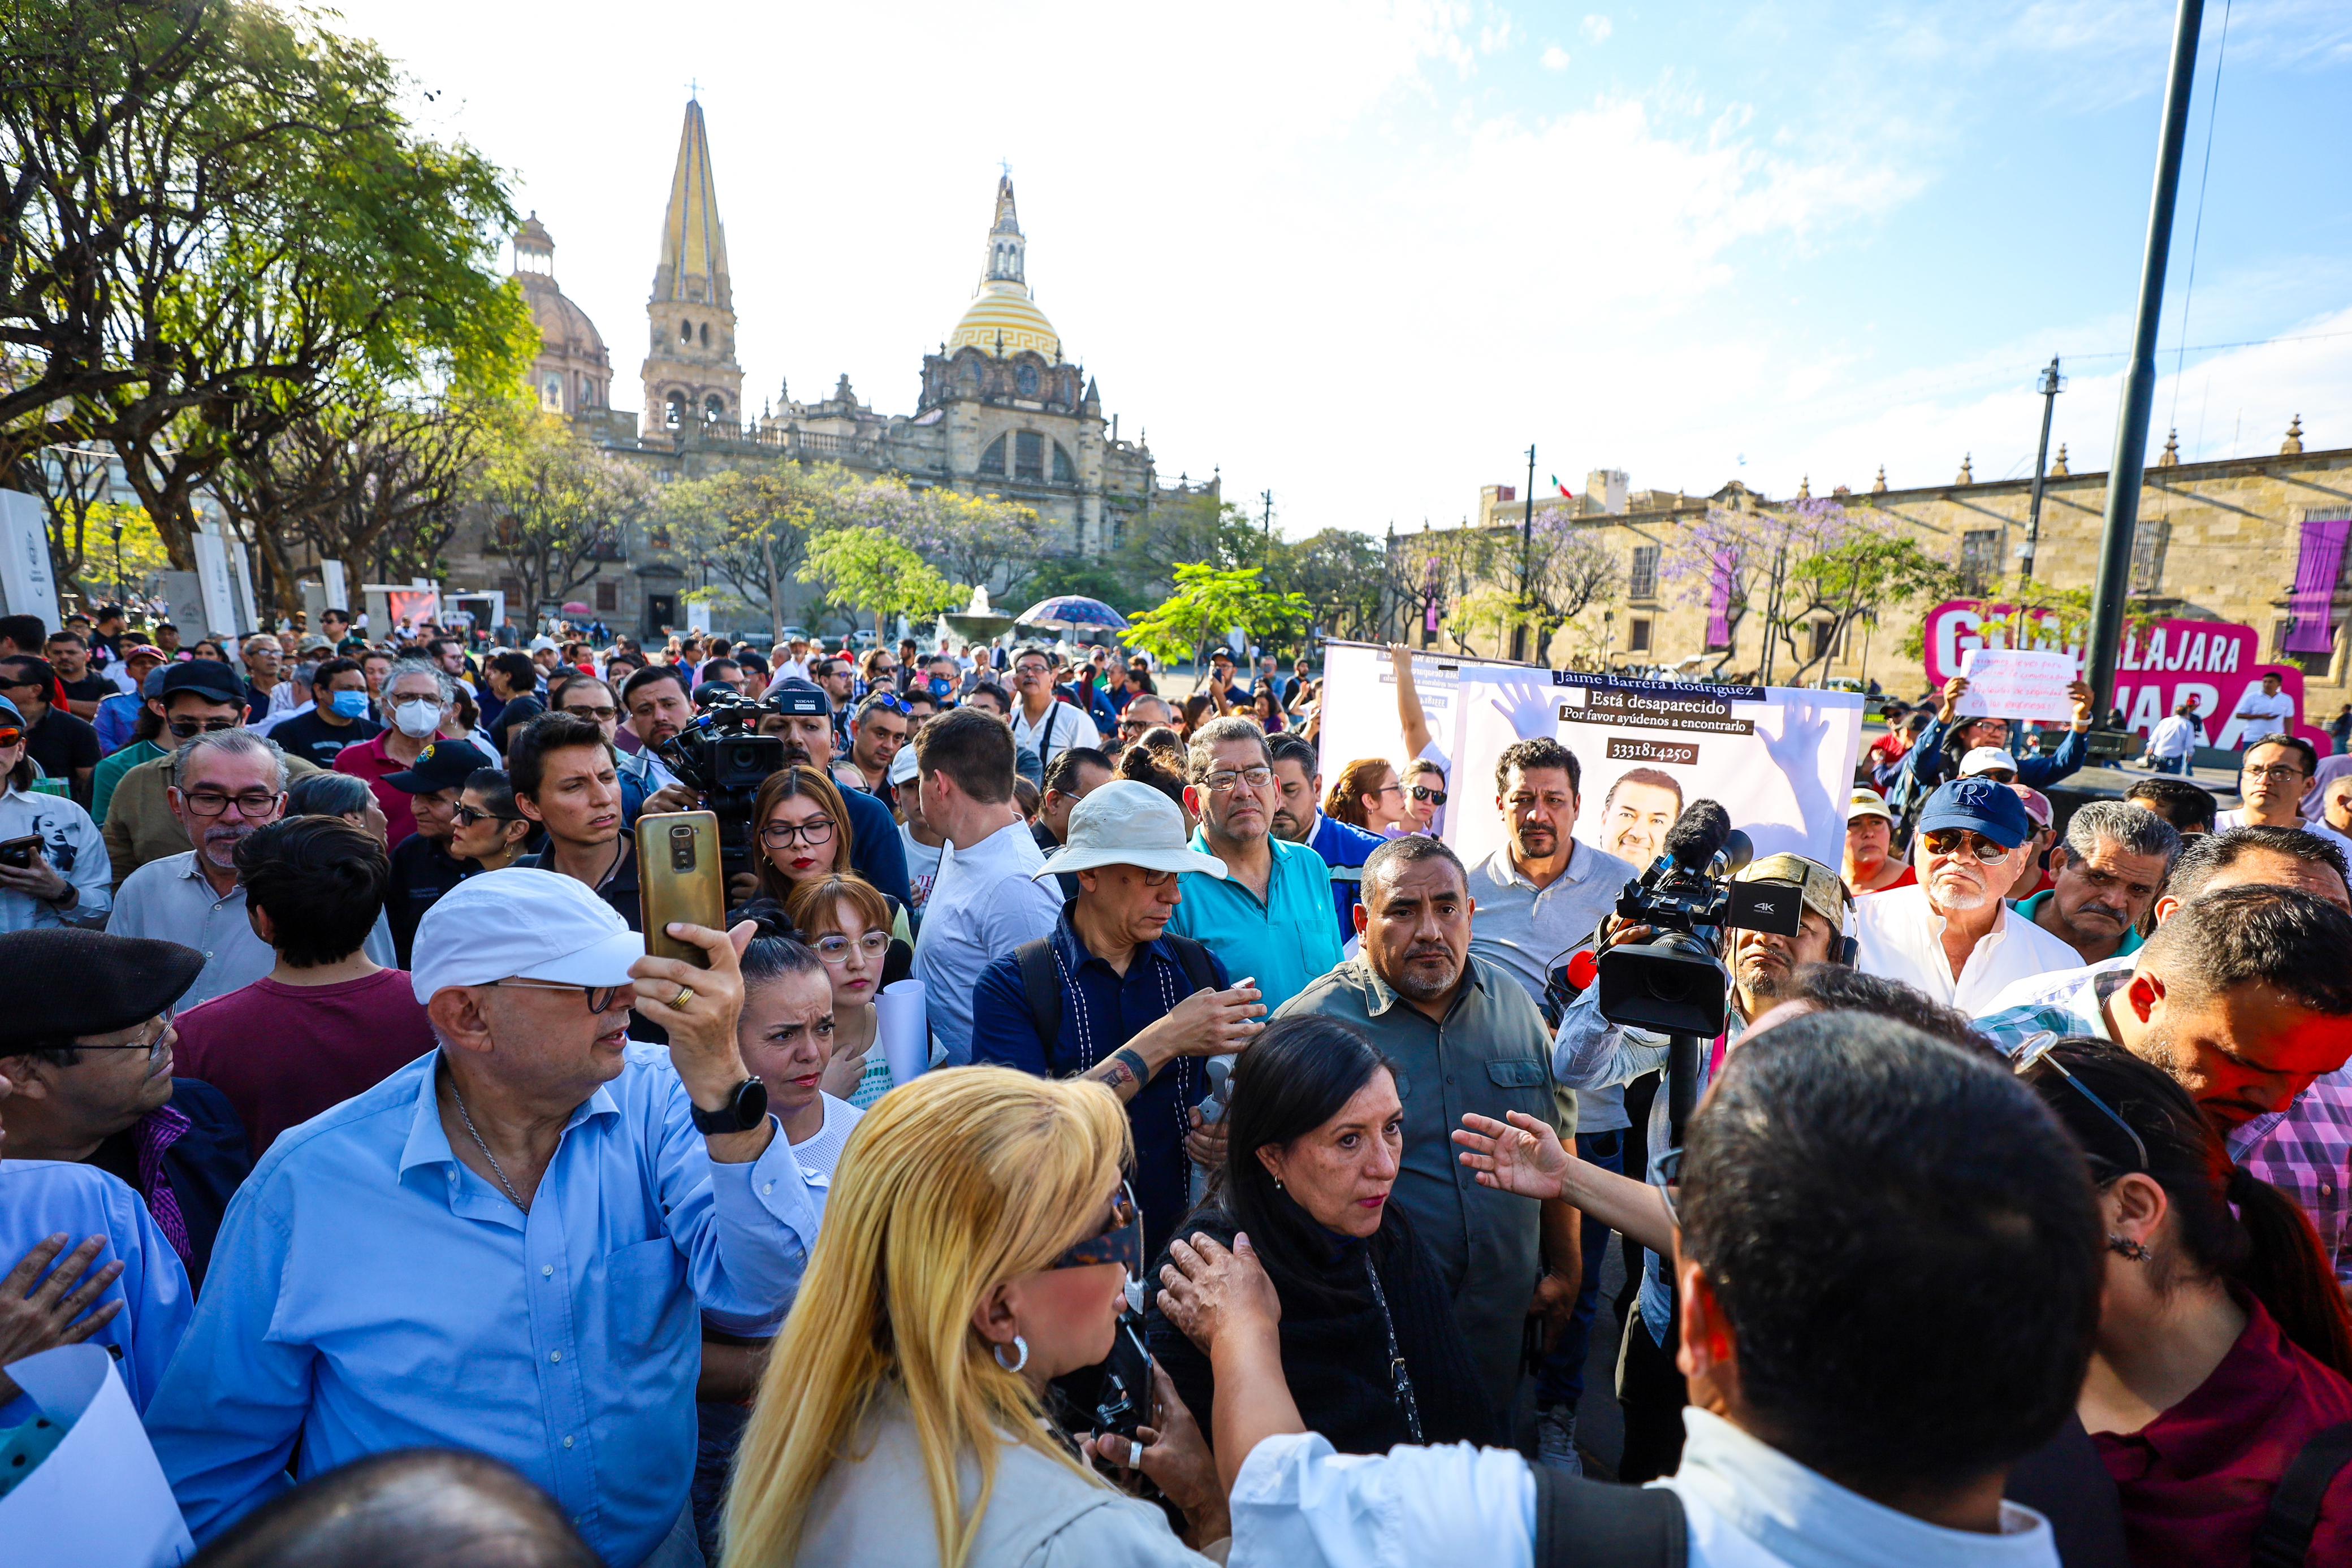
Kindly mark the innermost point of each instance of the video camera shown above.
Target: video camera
(721, 757)
(1676, 983)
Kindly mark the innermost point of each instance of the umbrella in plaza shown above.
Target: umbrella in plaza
(1073, 610)
(576, 607)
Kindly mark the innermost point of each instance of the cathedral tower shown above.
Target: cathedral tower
(690, 371)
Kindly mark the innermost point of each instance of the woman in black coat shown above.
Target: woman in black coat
(1369, 1343)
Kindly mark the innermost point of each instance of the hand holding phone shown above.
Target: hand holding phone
(679, 878)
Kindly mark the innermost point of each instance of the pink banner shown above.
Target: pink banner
(2159, 667)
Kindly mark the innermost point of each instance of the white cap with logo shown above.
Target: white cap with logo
(521, 924)
(1985, 759)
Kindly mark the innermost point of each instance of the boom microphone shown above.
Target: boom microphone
(1702, 830)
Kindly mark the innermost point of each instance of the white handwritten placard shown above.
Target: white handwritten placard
(2016, 684)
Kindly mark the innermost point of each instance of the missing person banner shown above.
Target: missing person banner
(1779, 760)
(1359, 703)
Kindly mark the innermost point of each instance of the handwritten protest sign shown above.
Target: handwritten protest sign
(2017, 682)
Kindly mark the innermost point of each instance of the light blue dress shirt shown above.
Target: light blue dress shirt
(1282, 940)
(41, 1199)
(369, 1292)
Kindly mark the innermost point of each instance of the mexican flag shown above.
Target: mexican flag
(1562, 489)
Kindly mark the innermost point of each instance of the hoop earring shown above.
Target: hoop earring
(2122, 1247)
(1019, 1344)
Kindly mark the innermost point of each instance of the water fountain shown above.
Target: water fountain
(980, 621)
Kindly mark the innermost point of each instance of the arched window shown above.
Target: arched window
(674, 410)
(685, 332)
(971, 372)
(1026, 380)
(587, 392)
(706, 334)
(1065, 471)
(714, 409)
(992, 460)
(1028, 455)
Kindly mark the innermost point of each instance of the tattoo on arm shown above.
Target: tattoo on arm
(1125, 1072)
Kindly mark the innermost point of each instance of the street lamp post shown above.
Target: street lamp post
(2050, 386)
(1526, 550)
(2122, 519)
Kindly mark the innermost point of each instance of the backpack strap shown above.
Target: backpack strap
(1041, 986)
(2285, 1539)
(1581, 1523)
(1200, 974)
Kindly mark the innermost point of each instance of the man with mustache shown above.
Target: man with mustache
(1466, 1040)
(1952, 936)
(2104, 878)
(228, 784)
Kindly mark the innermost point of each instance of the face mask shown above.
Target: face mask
(939, 686)
(350, 704)
(418, 718)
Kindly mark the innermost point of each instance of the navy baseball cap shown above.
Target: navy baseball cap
(798, 698)
(1980, 806)
(444, 765)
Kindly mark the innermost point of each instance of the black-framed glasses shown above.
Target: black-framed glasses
(2037, 1049)
(1121, 1241)
(600, 998)
(157, 1038)
(1423, 792)
(603, 713)
(466, 816)
(814, 831)
(2271, 771)
(189, 728)
(251, 804)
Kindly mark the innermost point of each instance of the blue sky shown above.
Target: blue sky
(1362, 253)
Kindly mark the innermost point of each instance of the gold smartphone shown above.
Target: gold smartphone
(679, 878)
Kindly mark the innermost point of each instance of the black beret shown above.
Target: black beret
(59, 982)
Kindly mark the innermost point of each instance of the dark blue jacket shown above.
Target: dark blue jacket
(1343, 844)
(1929, 766)
(203, 1166)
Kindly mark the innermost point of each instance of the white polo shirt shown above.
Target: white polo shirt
(1898, 935)
(1061, 727)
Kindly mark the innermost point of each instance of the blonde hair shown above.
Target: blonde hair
(949, 1186)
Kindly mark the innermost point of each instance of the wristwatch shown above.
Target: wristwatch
(746, 1108)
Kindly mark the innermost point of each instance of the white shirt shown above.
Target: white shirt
(1902, 938)
(922, 868)
(2225, 820)
(2172, 737)
(820, 1150)
(1062, 727)
(982, 905)
(2259, 715)
(75, 850)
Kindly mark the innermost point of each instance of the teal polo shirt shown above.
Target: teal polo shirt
(2030, 908)
(1284, 940)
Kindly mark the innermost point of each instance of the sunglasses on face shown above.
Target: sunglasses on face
(187, 729)
(603, 713)
(1423, 792)
(466, 816)
(10, 735)
(1119, 1241)
(1952, 843)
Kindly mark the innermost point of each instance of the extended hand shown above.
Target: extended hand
(1523, 1157)
(673, 798)
(1176, 1457)
(2083, 702)
(1954, 690)
(1206, 1291)
(698, 1006)
(1205, 1145)
(1216, 1023)
(34, 1318)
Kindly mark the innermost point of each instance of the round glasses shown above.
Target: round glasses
(814, 831)
(834, 949)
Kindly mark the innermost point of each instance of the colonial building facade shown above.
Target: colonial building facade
(1000, 409)
(2235, 541)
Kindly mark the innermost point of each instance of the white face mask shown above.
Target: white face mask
(417, 717)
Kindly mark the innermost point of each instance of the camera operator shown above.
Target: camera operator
(1590, 1052)
(800, 714)
(1953, 935)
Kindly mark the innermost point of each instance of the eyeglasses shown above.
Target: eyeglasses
(1951, 842)
(153, 1039)
(1666, 1175)
(1387, 789)
(1223, 781)
(251, 804)
(603, 712)
(600, 998)
(2274, 771)
(1423, 792)
(1121, 1241)
(2037, 1048)
(834, 949)
(466, 816)
(185, 728)
(812, 833)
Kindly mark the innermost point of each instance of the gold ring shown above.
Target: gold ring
(685, 995)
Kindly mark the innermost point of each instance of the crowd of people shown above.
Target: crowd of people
(1255, 1200)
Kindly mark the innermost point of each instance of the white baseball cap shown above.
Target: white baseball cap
(1987, 759)
(1127, 822)
(902, 766)
(521, 924)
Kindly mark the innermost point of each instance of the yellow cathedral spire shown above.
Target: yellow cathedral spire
(692, 376)
(693, 264)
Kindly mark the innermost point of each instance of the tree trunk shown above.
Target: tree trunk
(775, 594)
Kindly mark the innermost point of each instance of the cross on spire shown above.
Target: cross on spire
(694, 87)
(1005, 164)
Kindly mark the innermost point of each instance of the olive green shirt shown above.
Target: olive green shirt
(140, 824)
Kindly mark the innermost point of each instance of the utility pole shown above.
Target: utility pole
(1527, 549)
(2051, 385)
(2130, 460)
(1267, 561)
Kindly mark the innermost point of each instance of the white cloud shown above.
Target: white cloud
(1555, 59)
(1597, 29)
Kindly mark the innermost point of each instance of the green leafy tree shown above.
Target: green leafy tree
(556, 506)
(1207, 602)
(1339, 573)
(751, 528)
(866, 569)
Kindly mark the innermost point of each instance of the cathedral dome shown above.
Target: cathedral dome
(563, 326)
(1004, 320)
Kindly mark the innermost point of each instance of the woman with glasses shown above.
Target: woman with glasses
(486, 827)
(1367, 794)
(2223, 1344)
(54, 868)
(803, 834)
(1424, 797)
(977, 1244)
(859, 932)
(1370, 1345)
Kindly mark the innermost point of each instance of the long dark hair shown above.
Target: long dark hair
(797, 781)
(2267, 1246)
(1297, 1075)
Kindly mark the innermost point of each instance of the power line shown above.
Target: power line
(2196, 229)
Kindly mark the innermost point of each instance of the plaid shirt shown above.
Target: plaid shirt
(2304, 1151)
